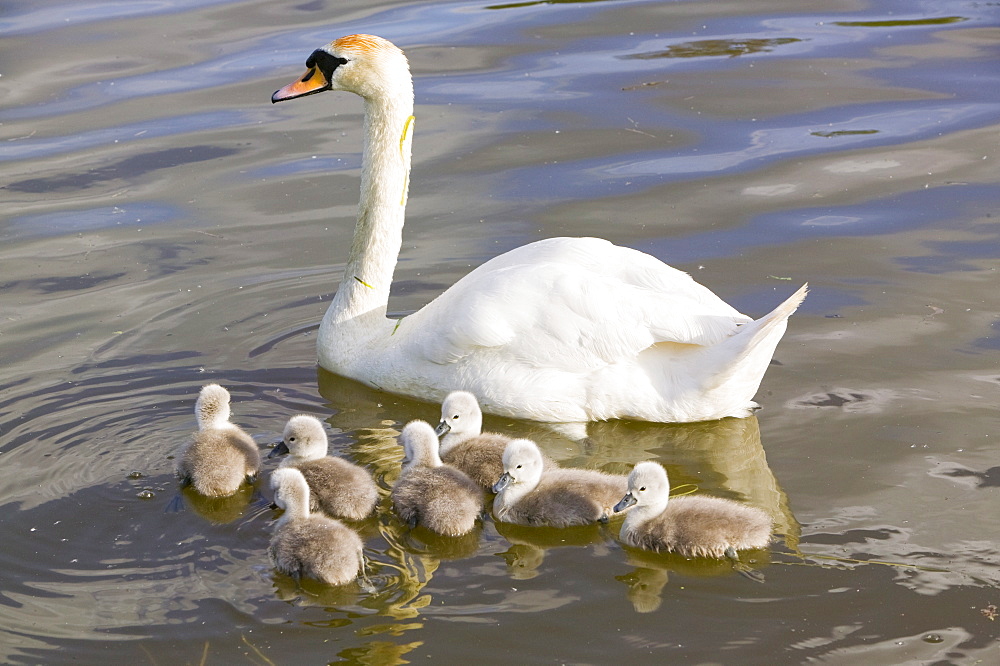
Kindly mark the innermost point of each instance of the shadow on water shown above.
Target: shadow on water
(128, 168)
(646, 582)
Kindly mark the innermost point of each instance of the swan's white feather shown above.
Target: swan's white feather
(576, 304)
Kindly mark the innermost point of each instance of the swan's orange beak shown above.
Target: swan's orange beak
(313, 82)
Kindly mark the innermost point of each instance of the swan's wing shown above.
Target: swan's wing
(576, 303)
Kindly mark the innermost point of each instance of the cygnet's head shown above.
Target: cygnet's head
(460, 415)
(420, 445)
(212, 407)
(647, 486)
(289, 487)
(366, 65)
(304, 437)
(522, 464)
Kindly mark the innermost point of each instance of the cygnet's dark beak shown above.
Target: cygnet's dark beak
(279, 449)
(502, 482)
(442, 429)
(626, 502)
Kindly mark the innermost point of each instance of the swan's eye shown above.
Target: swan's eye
(455, 417)
(291, 439)
(518, 467)
(643, 489)
(326, 62)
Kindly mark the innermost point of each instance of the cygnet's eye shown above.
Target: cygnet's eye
(291, 439)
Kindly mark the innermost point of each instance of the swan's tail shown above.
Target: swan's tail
(744, 357)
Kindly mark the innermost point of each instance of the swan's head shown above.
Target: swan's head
(366, 65)
(212, 408)
(460, 415)
(522, 464)
(420, 445)
(647, 486)
(304, 437)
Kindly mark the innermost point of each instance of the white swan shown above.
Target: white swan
(564, 329)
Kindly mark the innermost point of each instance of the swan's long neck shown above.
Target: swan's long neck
(385, 171)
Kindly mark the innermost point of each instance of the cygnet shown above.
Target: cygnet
(464, 445)
(529, 495)
(440, 497)
(693, 526)
(337, 487)
(310, 544)
(221, 456)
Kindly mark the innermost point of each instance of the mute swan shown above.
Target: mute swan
(430, 493)
(464, 445)
(559, 330)
(695, 526)
(312, 545)
(221, 456)
(559, 497)
(337, 487)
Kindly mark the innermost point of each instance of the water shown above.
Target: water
(165, 226)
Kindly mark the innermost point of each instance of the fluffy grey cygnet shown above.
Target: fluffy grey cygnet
(221, 456)
(440, 497)
(464, 445)
(307, 544)
(529, 495)
(693, 526)
(337, 487)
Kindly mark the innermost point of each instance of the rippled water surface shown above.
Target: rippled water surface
(165, 226)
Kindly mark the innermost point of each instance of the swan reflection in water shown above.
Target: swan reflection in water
(723, 458)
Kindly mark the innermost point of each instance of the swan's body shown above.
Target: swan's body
(696, 526)
(338, 488)
(564, 329)
(307, 544)
(464, 445)
(221, 456)
(428, 492)
(558, 497)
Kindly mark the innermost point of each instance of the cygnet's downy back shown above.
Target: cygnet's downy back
(310, 545)
(220, 456)
(430, 493)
